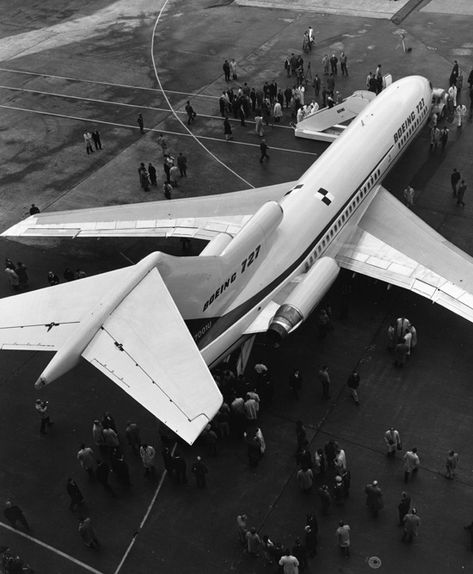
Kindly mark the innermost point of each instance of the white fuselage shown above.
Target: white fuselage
(327, 201)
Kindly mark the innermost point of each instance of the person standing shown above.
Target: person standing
(182, 164)
(408, 194)
(162, 143)
(343, 64)
(75, 494)
(167, 189)
(42, 410)
(13, 278)
(227, 129)
(451, 464)
(333, 64)
(310, 541)
(97, 434)
(305, 478)
(147, 454)
(411, 526)
(143, 175)
(295, 383)
(102, 473)
(233, 69)
(141, 123)
(191, 115)
(96, 138)
(253, 541)
(455, 177)
(132, 433)
(200, 470)
(226, 70)
(14, 515)
(461, 193)
(403, 507)
(264, 151)
(444, 137)
(152, 174)
(289, 563)
(324, 379)
(277, 112)
(22, 273)
(88, 142)
(87, 533)
(34, 209)
(392, 439)
(343, 538)
(325, 498)
(242, 521)
(411, 463)
(173, 175)
(374, 498)
(353, 383)
(86, 459)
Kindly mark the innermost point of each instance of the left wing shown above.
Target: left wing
(198, 217)
(394, 245)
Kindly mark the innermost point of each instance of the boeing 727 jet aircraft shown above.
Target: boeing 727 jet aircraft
(156, 327)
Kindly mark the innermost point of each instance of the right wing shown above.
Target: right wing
(198, 217)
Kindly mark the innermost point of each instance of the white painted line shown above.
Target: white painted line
(38, 74)
(197, 141)
(48, 547)
(160, 131)
(109, 102)
(145, 517)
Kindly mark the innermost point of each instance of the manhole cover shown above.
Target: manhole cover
(374, 562)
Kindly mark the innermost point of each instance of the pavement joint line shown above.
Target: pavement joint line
(71, 97)
(160, 131)
(101, 83)
(197, 140)
(48, 547)
(145, 517)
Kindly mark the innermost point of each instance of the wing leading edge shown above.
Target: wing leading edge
(394, 245)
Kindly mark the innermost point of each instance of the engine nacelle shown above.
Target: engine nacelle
(304, 298)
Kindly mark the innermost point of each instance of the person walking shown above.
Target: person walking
(295, 383)
(227, 129)
(88, 142)
(141, 123)
(180, 468)
(97, 140)
(182, 164)
(242, 522)
(411, 463)
(353, 384)
(411, 523)
(152, 174)
(147, 454)
(403, 507)
(259, 129)
(14, 515)
(97, 434)
(289, 563)
(324, 379)
(461, 193)
(167, 189)
(408, 195)
(451, 464)
(191, 115)
(86, 459)
(87, 533)
(42, 410)
(162, 142)
(455, 177)
(343, 538)
(310, 541)
(374, 498)
(22, 272)
(264, 151)
(325, 498)
(392, 440)
(200, 470)
(75, 494)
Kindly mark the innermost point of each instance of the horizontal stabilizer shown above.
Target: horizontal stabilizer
(146, 349)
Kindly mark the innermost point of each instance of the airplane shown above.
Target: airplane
(157, 327)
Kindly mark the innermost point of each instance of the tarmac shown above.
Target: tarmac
(99, 65)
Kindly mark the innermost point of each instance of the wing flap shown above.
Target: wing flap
(146, 349)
